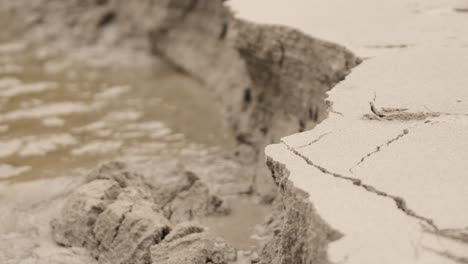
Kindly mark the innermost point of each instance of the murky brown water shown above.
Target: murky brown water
(55, 123)
(52, 122)
(239, 227)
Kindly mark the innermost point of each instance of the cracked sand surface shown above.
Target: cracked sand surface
(374, 230)
(412, 170)
(417, 159)
(387, 168)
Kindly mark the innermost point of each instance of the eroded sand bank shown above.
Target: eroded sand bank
(367, 185)
(268, 81)
(383, 178)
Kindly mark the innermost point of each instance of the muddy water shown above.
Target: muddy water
(52, 122)
(243, 212)
(64, 122)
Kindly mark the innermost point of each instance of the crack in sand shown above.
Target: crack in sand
(379, 148)
(448, 255)
(402, 114)
(315, 141)
(400, 202)
(459, 235)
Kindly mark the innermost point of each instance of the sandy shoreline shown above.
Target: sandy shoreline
(227, 57)
(327, 185)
